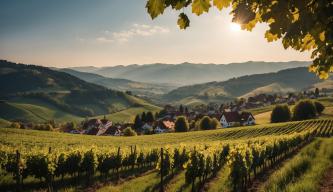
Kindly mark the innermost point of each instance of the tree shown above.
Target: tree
(137, 123)
(317, 92)
(214, 123)
(129, 132)
(143, 117)
(301, 25)
(15, 125)
(205, 123)
(319, 107)
(304, 109)
(181, 109)
(186, 110)
(150, 117)
(280, 113)
(181, 124)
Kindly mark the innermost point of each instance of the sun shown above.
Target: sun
(235, 27)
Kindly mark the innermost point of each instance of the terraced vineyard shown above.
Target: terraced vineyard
(218, 160)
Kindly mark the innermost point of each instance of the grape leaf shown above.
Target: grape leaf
(221, 3)
(155, 7)
(200, 6)
(183, 21)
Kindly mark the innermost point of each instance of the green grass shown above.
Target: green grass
(305, 171)
(4, 123)
(147, 182)
(12, 111)
(32, 110)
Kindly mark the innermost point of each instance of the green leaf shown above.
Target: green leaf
(155, 7)
(183, 21)
(221, 3)
(200, 6)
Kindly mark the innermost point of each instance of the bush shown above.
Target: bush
(280, 113)
(129, 132)
(304, 109)
(181, 124)
(205, 123)
(15, 125)
(319, 107)
(214, 123)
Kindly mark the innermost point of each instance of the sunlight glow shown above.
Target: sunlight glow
(235, 27)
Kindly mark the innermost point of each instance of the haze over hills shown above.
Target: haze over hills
(288, 80)
(39, 93)
(137, 88)
(189, 73)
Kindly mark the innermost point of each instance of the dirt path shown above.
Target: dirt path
(327, 182)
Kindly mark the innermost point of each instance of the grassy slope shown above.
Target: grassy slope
(33, 110)
(304, 171)
(129, 114)
(34, 113)
(4, 123)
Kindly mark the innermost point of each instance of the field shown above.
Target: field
(139, 175)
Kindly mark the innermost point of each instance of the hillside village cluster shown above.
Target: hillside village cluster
(228, 114)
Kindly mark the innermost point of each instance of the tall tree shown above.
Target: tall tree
(302, 25)
(317, 92)
(181, 109)
(143, 117)
(137, 123)
(149, 117)
(181, 124)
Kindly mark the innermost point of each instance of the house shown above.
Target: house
(165, 126)
(96, 126)
(236, 118)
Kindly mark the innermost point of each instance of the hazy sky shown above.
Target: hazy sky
(111, 32)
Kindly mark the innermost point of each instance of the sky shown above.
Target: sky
(68, 33)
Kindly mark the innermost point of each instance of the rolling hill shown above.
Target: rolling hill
(288, 80)
(137, 88)
(188, 73)
(37, 94)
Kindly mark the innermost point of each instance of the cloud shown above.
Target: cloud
(136, 30)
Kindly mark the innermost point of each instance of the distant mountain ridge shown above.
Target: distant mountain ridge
(137, 88)
(189, 73)
(288, 80)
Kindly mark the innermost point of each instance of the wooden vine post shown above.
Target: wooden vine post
(161, 171)
(18, 171)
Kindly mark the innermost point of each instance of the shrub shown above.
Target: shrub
(15, 125)
(319, 107)
(304, 109)
(205, 123)
(129, 132)
(214, 123)
(280, 113)
(181, 124)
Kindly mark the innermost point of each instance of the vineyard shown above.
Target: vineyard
(195, 161)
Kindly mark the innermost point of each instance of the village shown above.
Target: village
(230, 114)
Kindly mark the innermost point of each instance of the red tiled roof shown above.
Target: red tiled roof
(232, 116)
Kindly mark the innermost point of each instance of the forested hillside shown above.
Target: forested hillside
(289, 80)
(26, 89)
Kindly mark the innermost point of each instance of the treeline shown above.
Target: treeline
(303, 110)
